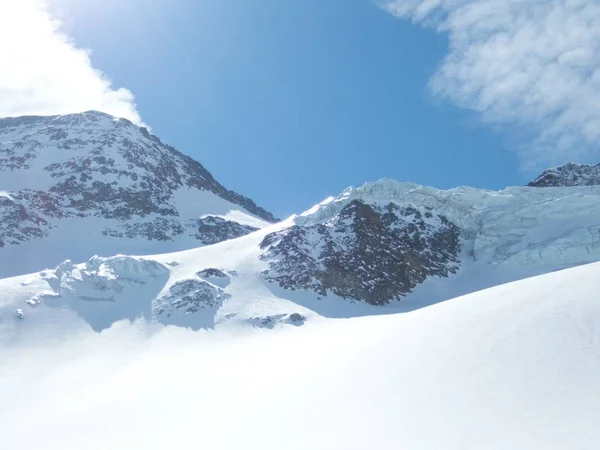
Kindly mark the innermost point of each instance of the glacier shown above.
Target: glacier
(554, 226)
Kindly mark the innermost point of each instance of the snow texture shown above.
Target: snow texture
(513, 367)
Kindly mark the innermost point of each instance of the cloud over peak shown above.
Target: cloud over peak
(42, 72)
(530, 63)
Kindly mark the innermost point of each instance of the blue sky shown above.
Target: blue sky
(291, 101)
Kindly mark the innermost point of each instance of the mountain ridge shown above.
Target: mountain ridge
(336, 264)
(111, 187)
(570, 174)
(109, 179)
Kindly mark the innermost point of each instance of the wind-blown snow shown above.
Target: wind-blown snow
(513, 367)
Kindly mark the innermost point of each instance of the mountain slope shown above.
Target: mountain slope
(413, 234)
(513, 367)
(80, 184)
(383, 248)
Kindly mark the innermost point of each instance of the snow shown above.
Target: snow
(45, 142)
(190, 348)
(553, 227)
(43, 253)
(513, 367)
(194, 204)
(100, 293)
(40, 133)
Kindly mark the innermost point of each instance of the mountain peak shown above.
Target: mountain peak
(131, 187)
(571, 174)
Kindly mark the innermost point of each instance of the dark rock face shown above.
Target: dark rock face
(368, 253)
(215, 276)
(158, 229)
(569, 175)
(189, 297)
(94, 165)
(278, 319)
(297, 319)
(211, 272)
(25, 215)
(211, 229)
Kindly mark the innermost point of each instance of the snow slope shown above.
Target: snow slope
(96, 294)
(505, 236)
(513, 367)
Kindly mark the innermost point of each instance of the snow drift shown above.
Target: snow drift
(515, 366)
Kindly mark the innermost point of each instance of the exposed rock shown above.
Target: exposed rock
(297, 319)
(212, 229)
(91, 164)
(215, 276)
(373, 254)
(265, 321)
(189, 297)
(277, 319)
(159, 229)
(569, 175)
(211, 272)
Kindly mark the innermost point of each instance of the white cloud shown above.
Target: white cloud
(43, 72)
(530, 63)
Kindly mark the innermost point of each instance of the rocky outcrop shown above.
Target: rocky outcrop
(189, 297)
(211, 230)
(370, 253)
(270, 322)
(569, 175)
(98, 166)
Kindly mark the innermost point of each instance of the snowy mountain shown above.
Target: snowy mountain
(78, 186)
(569, 175)
(382, 248)
(373, 253)
(513, 367)
(75, 185)
(379, 242)
(97, 350)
